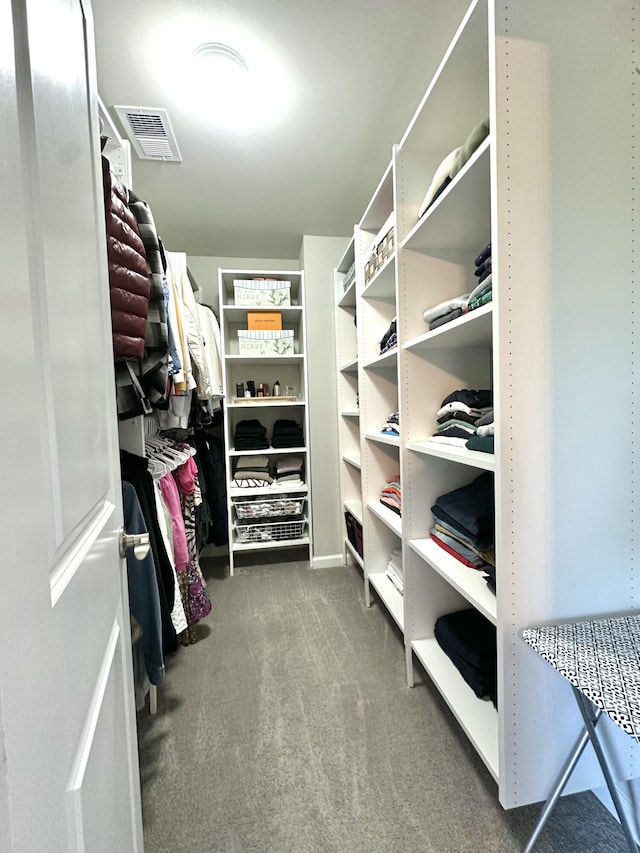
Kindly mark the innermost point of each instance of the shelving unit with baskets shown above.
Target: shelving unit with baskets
(268, 516)
(538, 345)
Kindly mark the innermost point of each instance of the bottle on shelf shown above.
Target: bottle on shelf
(275, 391)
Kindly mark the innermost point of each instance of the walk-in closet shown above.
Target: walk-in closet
(320, 427)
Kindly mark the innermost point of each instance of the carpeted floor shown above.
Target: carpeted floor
(288, 728)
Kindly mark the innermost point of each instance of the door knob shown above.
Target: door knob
(138, 541)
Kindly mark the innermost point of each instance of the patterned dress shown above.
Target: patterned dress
(193, 587)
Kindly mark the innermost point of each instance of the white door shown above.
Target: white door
(68, 755)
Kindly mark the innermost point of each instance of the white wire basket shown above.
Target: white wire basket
(275, 531)
(269, 507)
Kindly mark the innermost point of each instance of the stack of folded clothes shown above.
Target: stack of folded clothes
(451, 309)
(459, 414)
(287, 433)
(464, 524)
(394, 570)
(483, 292)
(289, 470)
(252, 472)
(250, 435)
(484, 437)
(391, 495)
(446, 311)
(453, 163)
(392, 426)
(469, 641)
(390, 338)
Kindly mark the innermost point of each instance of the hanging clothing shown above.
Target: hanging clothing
(144, 599)
(171, 498)
(210, 329)
(128, 270)
(191, 324)
(178, 617)
(154, 368)
(135, 471)
(211, 470)
(193, 584)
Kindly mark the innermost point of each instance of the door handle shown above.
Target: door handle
(138, 541)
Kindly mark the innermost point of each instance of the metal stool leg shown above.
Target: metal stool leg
(590, 718)
(558, 788)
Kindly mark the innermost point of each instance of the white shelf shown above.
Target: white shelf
(238, 313)
(392, 520)
(268, 451)
(381, 204)
(356, 557)
(354, 461)
(348, 298)
(350, 367)
(468, 582)
(350, 413)
(387, 361)
(260, 546)
(474, 458)
(235, 492)
(389, 596)
(459, 218)
(355, 508)
(348, 257)
(381, 438)
(266, 404)
(265, 359)
(383, 283)
(478, 718)
(471, 331)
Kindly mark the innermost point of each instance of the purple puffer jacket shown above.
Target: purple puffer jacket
(128, 270)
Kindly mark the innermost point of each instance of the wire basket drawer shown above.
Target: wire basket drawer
(275, 531)
(269, 507)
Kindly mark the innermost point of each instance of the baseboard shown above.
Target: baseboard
(328, 562)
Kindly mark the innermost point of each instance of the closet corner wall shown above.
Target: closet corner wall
(558, 88)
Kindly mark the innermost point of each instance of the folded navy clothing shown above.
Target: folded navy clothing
(251, 426)
(469, 641)
(471, 505)
(484, 254)
(287, 441)
(480, 268)
(474, 399)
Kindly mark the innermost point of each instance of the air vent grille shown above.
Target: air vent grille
(150, 133)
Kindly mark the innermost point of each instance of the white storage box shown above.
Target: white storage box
(265, 342)
(261, 292)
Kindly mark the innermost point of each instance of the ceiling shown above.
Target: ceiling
(347, 75)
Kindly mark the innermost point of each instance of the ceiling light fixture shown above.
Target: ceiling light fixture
(219, 52)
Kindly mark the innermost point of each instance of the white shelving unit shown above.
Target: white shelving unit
(564, 499)
(288, 370)
(346, 287)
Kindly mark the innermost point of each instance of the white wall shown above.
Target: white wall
(318, 258)
(205, 271)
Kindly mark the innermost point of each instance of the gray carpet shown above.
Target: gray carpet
(288, 728)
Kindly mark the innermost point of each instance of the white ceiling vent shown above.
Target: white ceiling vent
(150, 133)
